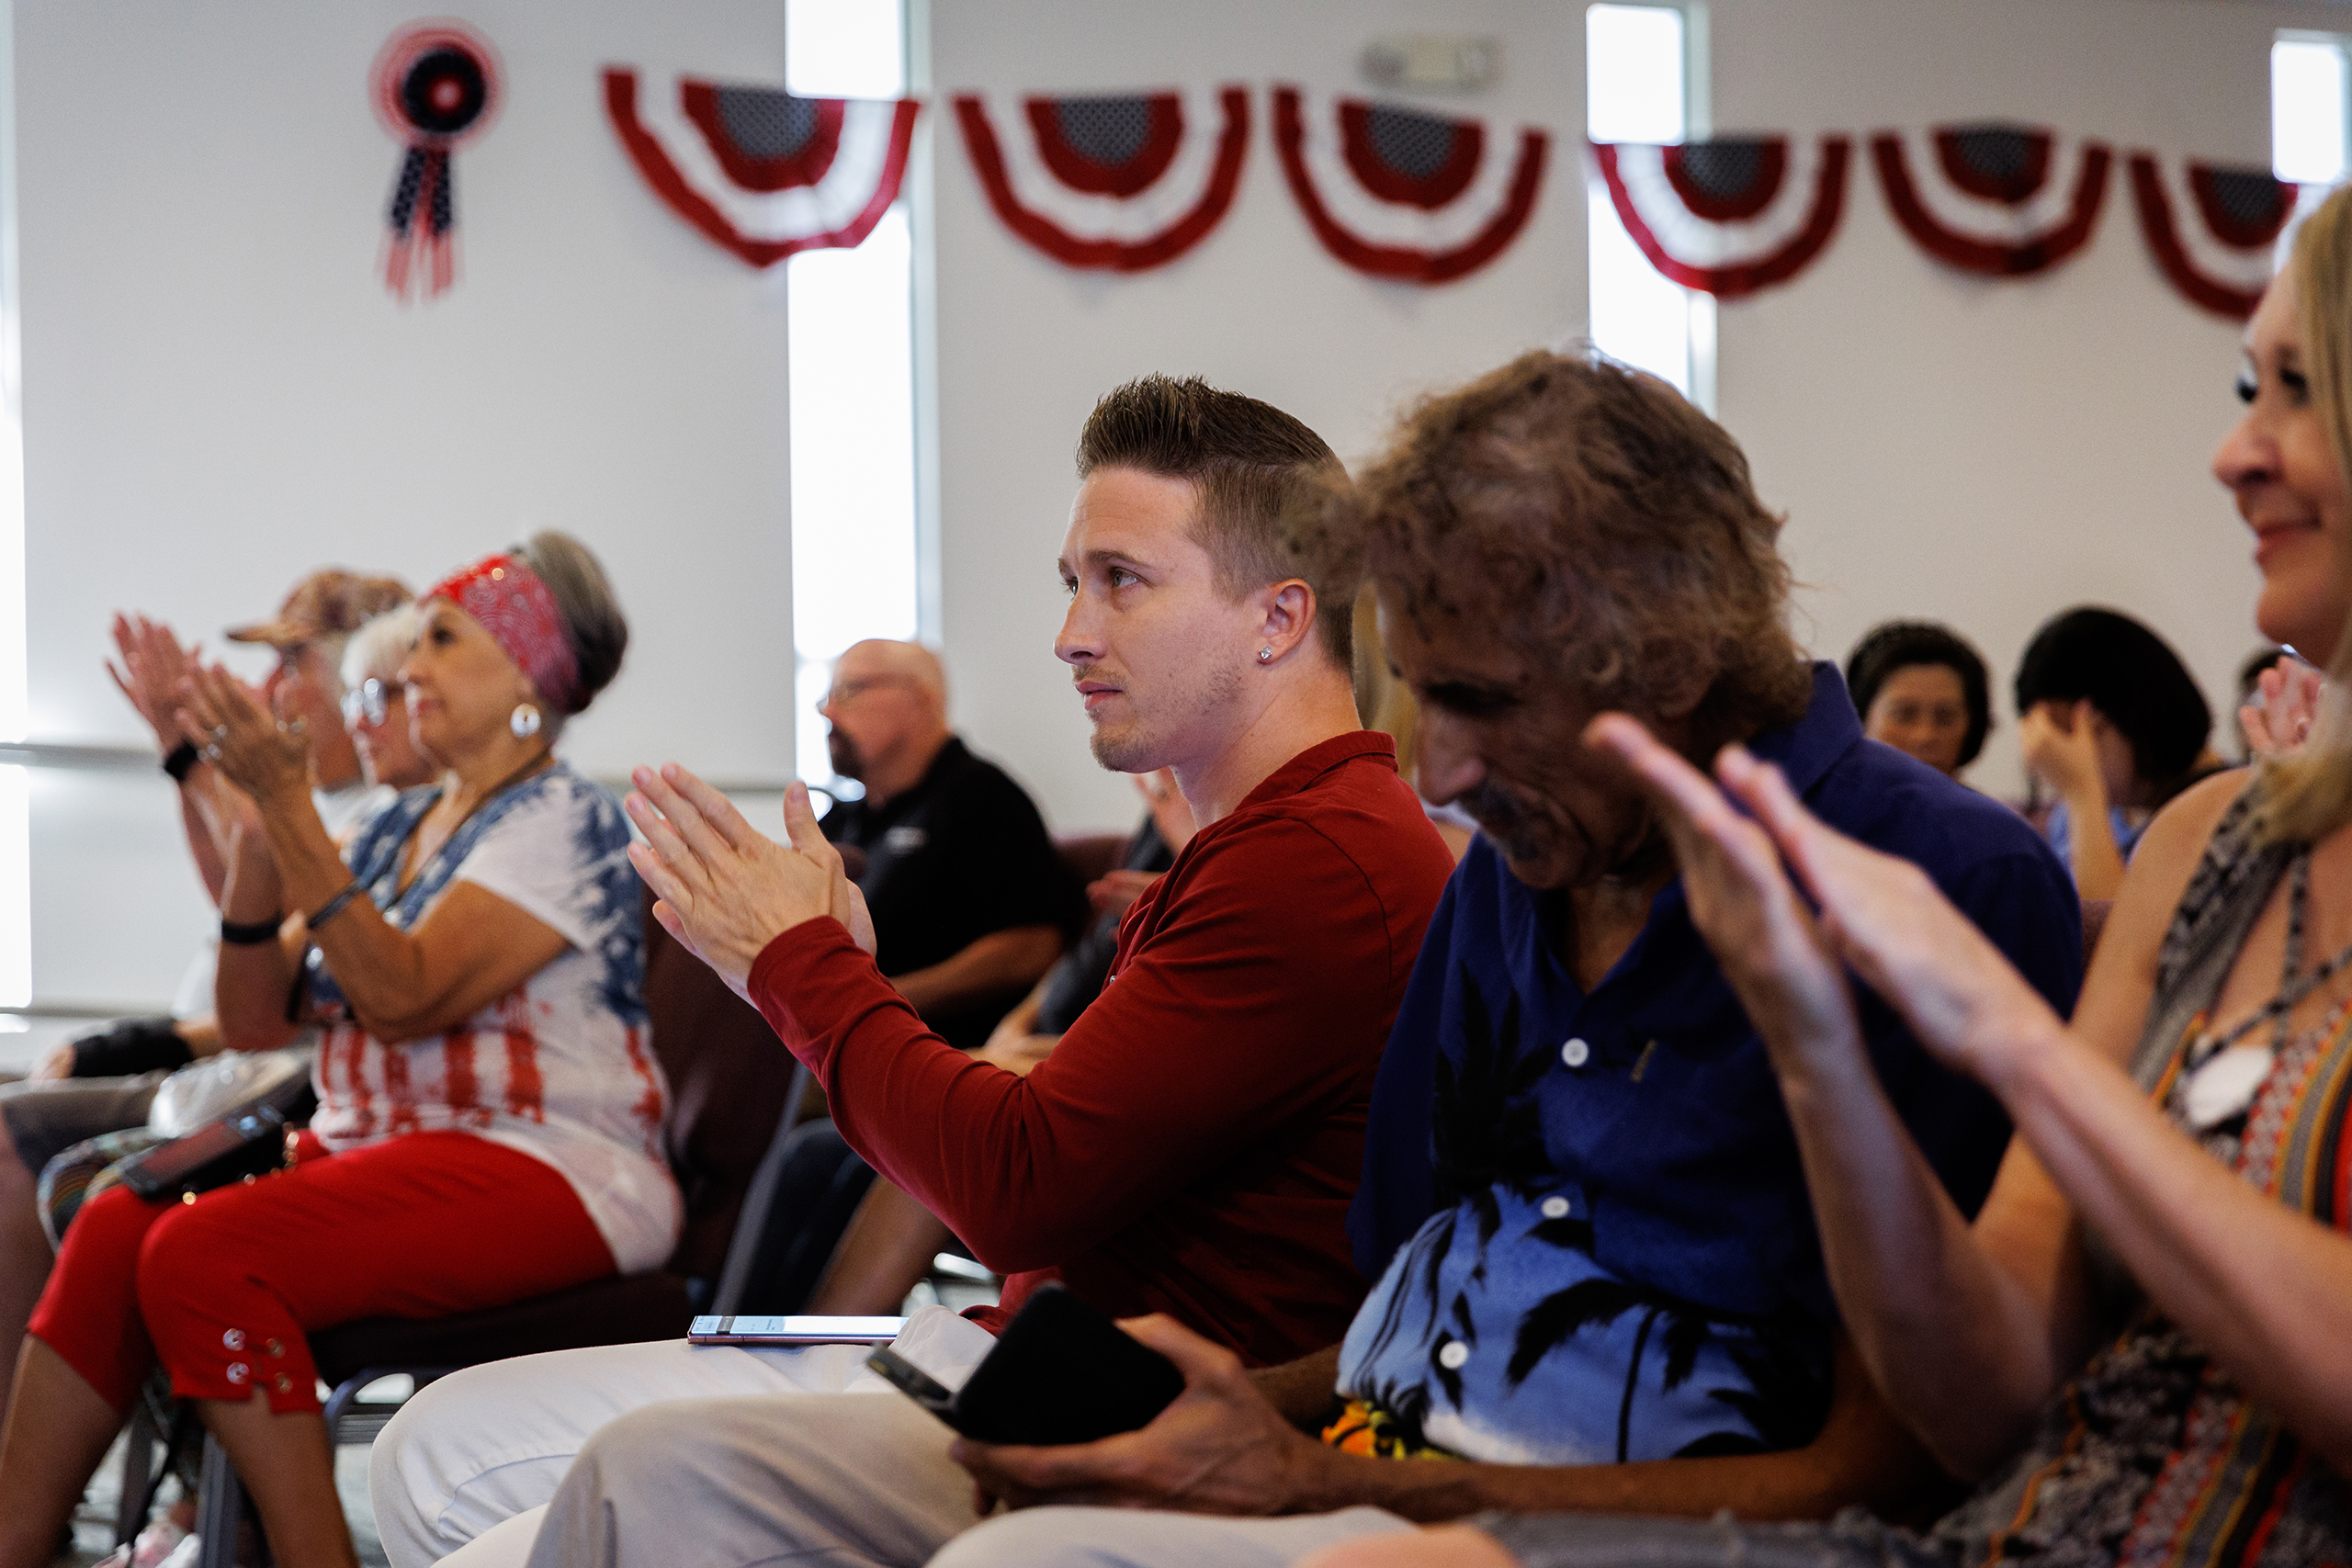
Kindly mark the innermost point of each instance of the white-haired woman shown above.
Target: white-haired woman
(490, 1113)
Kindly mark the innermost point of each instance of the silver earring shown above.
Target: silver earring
(1265, 655)
(524, 721)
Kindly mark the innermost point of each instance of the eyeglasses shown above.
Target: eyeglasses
(370, 701)
(849, 691)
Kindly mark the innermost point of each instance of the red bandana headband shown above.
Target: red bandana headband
(515, 608)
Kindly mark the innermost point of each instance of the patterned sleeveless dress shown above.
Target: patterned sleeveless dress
(2151, 1457)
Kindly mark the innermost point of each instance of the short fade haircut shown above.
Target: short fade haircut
(1903, 645)
(1585, 513)
(1255, 468)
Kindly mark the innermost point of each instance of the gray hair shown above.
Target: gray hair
(376, 650)
(592, 616)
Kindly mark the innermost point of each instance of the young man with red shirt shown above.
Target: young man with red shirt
(1190, 1147)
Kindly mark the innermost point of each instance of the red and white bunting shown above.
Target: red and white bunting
(2004, 201)
(2212, 228)
(763, 173)
(1119, 183)
(1730, 216)
(1401, 193)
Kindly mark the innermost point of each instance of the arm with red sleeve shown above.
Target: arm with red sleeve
(1254, 990)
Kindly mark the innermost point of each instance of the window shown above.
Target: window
(853, 568)
(15, 705)
(2311, 87)
(1645, 81)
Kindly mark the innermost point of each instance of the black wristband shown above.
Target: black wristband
(131, 1045)
(335, 905)
(181, 760)
(237, 934)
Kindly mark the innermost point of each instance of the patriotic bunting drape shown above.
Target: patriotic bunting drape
(1401, 193)
(2212, 228)
(1132, 181)
(761, 172)
(1729, 215)
(2004, 201)
(1122, 184)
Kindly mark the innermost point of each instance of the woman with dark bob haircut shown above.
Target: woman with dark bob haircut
(1921, 689)
(2111, 723)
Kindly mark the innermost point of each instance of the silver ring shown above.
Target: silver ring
(219, 732)
(212, 752)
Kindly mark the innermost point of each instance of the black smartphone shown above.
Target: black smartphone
(215, 1154)
(1060, 1373)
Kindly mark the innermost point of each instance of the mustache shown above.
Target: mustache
(1504, 815)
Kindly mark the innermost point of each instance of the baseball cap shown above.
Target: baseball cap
(332, 602)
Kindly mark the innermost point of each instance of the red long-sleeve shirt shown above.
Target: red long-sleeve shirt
(1191, 1145)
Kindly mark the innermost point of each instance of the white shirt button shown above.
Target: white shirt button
(1451, 1356)
(1575, 1053)
(1556, 1207)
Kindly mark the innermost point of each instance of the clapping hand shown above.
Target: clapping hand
(153, 665)
(2279, 724)
(726, 889)
(1879, 914)
(231, 723)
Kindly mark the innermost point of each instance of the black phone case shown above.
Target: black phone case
(1061, 1373)
(245, 1143)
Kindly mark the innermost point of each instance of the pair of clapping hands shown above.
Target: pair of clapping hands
(228, 721)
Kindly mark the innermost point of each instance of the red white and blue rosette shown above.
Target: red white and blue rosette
(760, 170)
(1115, 182)
(2003, 200)
(2212, 228)
(1401, 193)
(1731, 215)
(435, 86)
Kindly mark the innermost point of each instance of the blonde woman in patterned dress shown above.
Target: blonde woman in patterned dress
(2142, 1351)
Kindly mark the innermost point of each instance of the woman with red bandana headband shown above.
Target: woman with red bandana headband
(491, 1111)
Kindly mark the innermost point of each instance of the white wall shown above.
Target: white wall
(1025, 346)
(1989, 453)
(220, 394)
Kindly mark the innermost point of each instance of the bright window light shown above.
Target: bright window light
(15, 888)
(854, 569)
(1635, 71)
(2309, 86)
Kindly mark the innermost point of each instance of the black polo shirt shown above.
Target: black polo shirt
(962, 854)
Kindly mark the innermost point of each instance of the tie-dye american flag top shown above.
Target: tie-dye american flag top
(562, 1067)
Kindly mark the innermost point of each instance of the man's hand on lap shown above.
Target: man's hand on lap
(727, 890)
(1219, 1449)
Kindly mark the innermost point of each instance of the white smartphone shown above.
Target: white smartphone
(801, 1330)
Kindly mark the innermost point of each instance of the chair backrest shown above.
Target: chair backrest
(1090, 855)
(729, 1077)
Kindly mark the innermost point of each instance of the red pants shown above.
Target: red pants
(221, 1290)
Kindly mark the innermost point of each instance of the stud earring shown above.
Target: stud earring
(524, 721)
(1265, 655)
